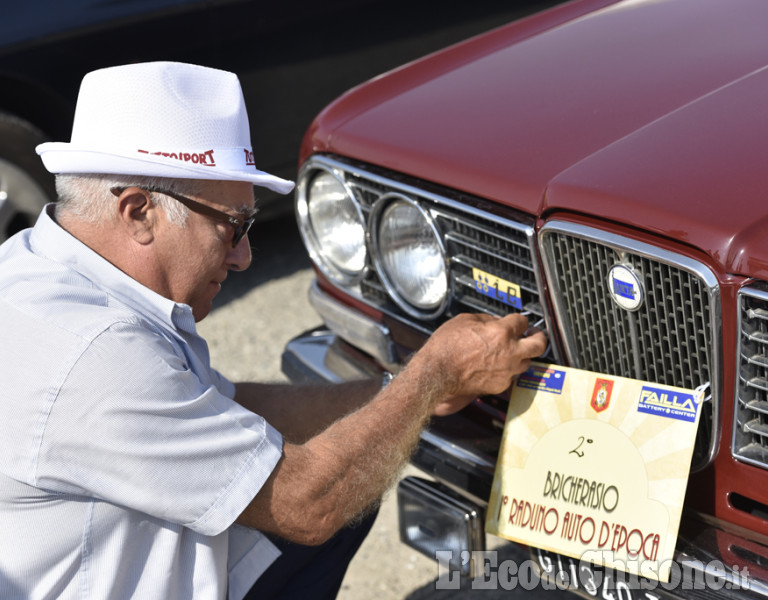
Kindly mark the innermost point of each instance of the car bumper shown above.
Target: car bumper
(459, 452)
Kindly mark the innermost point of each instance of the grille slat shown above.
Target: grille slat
(492, 255)
(756, 359)
(501, 243)
(757, 383)
(760, 406)
(757, 428)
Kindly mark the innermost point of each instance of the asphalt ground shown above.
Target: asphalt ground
(255, 314)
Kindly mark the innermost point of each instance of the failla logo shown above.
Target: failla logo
(675, 404)
(199, 158)
(249, 161)
(601, 394)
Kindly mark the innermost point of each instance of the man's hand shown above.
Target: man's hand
(476, 354)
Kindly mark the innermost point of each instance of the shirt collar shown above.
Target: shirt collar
(56, 243)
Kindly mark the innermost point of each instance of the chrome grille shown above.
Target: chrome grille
(750, 428)
(473, 238)
(672, 338)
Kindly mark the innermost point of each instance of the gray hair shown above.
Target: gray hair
(88, 197)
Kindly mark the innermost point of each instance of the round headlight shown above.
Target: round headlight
(335, 226)
(410, 256)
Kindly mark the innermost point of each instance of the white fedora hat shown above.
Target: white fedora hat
(161, 119)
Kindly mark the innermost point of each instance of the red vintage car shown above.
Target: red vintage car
(596, 135)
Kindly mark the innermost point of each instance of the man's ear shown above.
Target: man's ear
(138, 214)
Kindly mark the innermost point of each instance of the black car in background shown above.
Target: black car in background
(292, 59)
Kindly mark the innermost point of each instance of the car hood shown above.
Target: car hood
(645, 112)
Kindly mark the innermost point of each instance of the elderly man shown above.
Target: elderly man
(128, 466)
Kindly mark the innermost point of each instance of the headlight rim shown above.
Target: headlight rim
(374, 219)
(327, 266)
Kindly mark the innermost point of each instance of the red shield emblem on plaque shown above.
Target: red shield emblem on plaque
(601, 395)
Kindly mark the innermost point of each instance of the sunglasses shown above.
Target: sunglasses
(240, 224)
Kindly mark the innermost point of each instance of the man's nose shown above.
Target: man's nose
(239, 257)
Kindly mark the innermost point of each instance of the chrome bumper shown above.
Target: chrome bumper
(460, 452)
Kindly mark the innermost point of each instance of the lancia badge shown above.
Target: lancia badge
(625, 287)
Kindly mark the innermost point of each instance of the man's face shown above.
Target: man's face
(195, 259)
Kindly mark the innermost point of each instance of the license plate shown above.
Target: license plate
(594, 581)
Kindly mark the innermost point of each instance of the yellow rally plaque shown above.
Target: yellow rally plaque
(595, 467)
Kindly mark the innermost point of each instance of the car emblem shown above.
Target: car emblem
(625, 287)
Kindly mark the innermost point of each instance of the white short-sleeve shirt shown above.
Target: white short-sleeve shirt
(124, 460)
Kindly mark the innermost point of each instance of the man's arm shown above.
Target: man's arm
(299, 412)
(322, 484)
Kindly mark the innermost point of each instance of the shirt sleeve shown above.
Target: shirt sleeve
(134, 426)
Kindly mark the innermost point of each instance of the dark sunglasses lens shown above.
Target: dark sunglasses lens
(240, 232)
